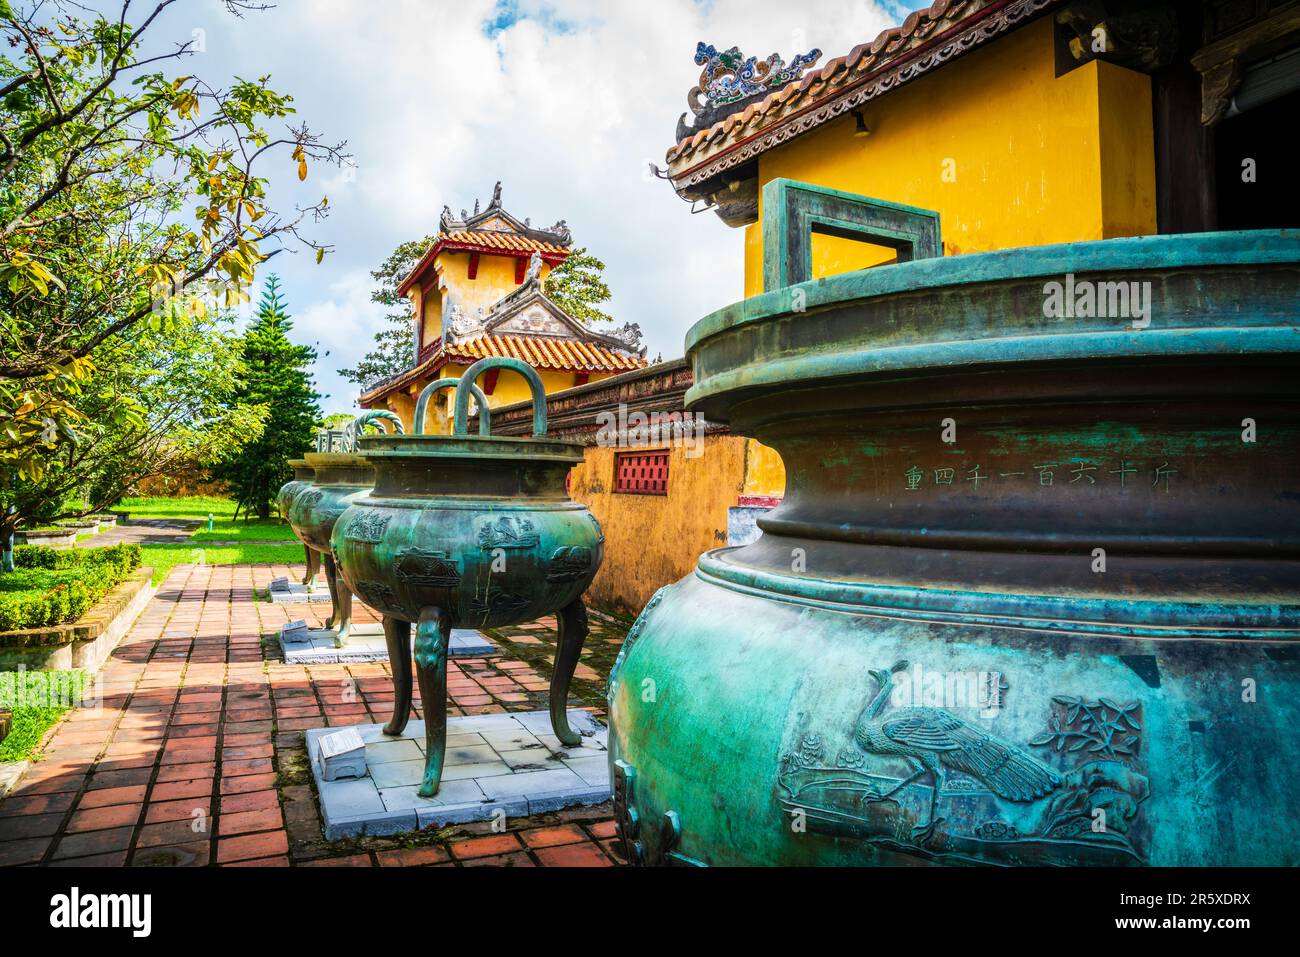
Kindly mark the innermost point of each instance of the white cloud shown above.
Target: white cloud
(566, 105)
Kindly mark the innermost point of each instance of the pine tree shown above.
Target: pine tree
(275, 376)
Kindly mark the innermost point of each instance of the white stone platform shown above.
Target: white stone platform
(366, 643)
(285, 592)
(495, 763)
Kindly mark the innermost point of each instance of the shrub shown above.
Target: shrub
(87, 575)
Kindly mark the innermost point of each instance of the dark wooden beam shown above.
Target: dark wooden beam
(1184, 147)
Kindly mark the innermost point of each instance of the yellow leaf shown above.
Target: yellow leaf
(302, 169)
(320, 254)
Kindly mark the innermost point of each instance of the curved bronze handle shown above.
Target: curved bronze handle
(500, 362)
(430, 390)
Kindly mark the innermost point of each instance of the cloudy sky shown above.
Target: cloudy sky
(566, 102)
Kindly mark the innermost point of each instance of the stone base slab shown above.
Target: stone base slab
(497, 764)
(10, 772)
(366, 643)
(285, 592)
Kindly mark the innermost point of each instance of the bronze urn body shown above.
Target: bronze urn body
(468, 531)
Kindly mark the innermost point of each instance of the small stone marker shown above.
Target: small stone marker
(295, 632)
(279, 584)
(342, 755)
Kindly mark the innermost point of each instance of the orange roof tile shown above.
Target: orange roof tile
(544, 352)
(485, 241)
(493, 239)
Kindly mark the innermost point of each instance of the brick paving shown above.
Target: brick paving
(196, 756)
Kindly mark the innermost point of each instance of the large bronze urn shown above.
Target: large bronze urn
(1033, 593)
(339, 479)
(471, 531)
(302, 478)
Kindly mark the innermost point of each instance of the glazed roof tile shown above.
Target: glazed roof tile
(497, 239)
(544, 352)
(931, 32)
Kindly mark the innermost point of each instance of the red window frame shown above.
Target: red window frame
(641, 473)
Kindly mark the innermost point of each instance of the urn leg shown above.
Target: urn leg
(431, 637)
(398, 635)
(340, 603)
(332, 580)
(313, 565)
(343, 617)
(572, 620)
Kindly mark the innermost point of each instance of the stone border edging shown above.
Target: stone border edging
(87, 642)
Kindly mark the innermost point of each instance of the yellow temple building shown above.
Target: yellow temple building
(1016, 122)
(479, 291)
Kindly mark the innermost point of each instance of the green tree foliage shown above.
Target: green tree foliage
(125, 186)
(577, 286)
(336, 420)
(394, 349)
(277, 379)
(154, 402)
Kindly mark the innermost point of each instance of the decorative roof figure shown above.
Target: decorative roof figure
(534, 268)
(730, 81)
(494, 218)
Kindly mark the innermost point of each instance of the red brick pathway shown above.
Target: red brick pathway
(196, 756)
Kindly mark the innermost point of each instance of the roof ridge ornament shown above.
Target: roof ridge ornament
(731, 81)
(495, 218)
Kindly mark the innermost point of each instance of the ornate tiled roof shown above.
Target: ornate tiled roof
(541, 352)
(487, 240)
(545, 352)
(924, 41)
(491, 230)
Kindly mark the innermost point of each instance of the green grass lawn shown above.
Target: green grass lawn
(37, 699)
(225, 527)
(163, 557)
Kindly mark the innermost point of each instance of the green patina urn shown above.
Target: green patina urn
(1033, 593)
(341, 478)
(473, 531)
(338, 479)
(302, 478)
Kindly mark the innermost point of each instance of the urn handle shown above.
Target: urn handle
(433, 388)
(500, 362)
(794, 211)
(352, 433)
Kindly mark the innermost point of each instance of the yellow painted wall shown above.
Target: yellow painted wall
(1033, 159)
(494, 280)
(652, 540)
(764, 473)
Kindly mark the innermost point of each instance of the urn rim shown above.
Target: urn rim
(756, 345)
(489, 448)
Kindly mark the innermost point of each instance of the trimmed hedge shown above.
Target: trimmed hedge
(90, 573)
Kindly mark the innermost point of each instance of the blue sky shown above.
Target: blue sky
(566, 102)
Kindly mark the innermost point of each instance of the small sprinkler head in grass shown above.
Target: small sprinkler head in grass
(209, 521)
